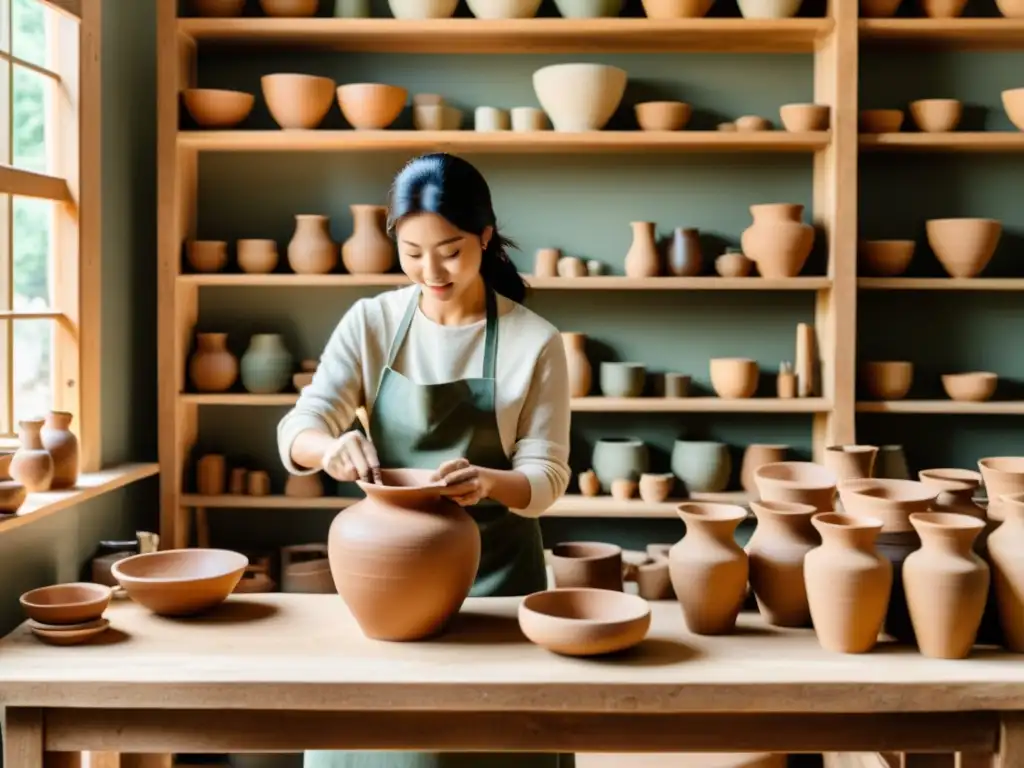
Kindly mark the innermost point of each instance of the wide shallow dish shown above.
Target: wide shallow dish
(584, 622)
(69, 635)
(180, 582)
(73, 603)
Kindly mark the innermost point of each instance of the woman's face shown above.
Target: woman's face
(440, 256)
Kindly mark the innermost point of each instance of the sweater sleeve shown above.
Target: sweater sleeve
(328, 404)
(541, 450)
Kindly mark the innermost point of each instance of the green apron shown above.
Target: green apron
(422, 426)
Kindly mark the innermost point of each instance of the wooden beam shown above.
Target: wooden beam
(15, 181)
(71, 8)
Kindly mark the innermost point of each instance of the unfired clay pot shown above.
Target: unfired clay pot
(936, 115)
(683, 255)
(704, 466)
(970, 386)
(588, 483)
(946, 584)
(887, 379)
(880, 120)
(587, 564)
(1003, 475)
(643, 259)
(963, 246)
(298, 102)
(62, 444)
(579, 97)
(404, 558)
(584, 622)
(851, 462)
(422, 9)
(708, 568)
(885, 258)
(212, 367)
(848, 583)
(756, 455)
(655, 488)
(32, 465)
(956, 489)
(801, 482)
(778, 241)
(369, 250)
(622, 379)
(311, 250)
(804, 117)
(663, 115)
(581, 373)
(784, 535)
(1006, 555)
(217, 108)
(734, 377)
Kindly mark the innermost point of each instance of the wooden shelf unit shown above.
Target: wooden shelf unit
(941, 283)
(959, 407)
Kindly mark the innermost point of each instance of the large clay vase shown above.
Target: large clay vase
(266, 365)
(32, 465)
(848, 583)
(703, 465)
(708, 568)
(311, 251)
(783, 537)
(619, 458)
(778, 241)
(799, 482)
(581, 373)
(404, 558)
(62, 445)
(1003, 476)
(757, 455)
(851, 462)
(642, 259)
(1006, 558)
(212, 367)
(946, 584)
(369, 251)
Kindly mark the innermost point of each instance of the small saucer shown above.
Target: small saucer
(66, 636)
(100, 622)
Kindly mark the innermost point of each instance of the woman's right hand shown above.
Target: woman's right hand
(350, 457)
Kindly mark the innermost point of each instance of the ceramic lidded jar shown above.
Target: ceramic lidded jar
(404, 558)
(212, 367)
(778, 241)
(32, 465)
(369, 251)
(311, 251)
(619, 458)
(703, 465)
(851, 462)
(642, 259)
(62, 444)
(783, 537)
(756, 455)
(708, 568)
(580, 371)
(802, 482)
(266, 365)
(946, 584)
(1006, 555)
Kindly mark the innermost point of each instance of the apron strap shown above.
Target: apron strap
(403, 329)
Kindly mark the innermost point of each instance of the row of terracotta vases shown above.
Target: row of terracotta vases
(265, 368)
(46, 459)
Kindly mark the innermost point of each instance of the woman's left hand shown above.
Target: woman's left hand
(465, 483)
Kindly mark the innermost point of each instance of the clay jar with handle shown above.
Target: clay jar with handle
(32, 465)
(62, 445)
(778, 241)
(784, 535)
(580, 371)
(404, 558)
(591, 564)
(1006, 555)
(311, 251)
(369, 251)
(708, 568)
(212, 368)
(946, 584)
(642, 259)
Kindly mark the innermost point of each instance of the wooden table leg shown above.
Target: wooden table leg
(1011, 741)
(23, 738)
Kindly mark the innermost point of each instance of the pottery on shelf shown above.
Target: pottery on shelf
(880, 120)
(956, 489)
(571, 266)
(704, 466)
(211, 474)
(219, 8)
(217, 108)
(404, 558)
(528, 119)
(663, 115)
(786, 382)
(936, 115)
(591, 564)
(584, 622)
(503, 9)
(579, 97)
(887, 379)
(848, 583)
(1011, 9)
(878, 9)
(580, 371)
(212, 367)
(885, 258)
(256, 256)
(369, 251)
(733, 263)
(708, 568)
(655, 488)
(804, 117)
(1013, 98)
(619, 457)
(371, 106)
(851, 462)
(422, 9)
(12, 496)
(942, 9)
(963, 246)
(778, 241)
(800, 482)
(750, 123)
(676, 385)
(266, 366)
(588, 483)
(588, 9)
(62, 445)
(734, 377)
(1006, 556)
(622, 379)
(545, 262)
(683, 258)
(769, 9)
(756, 455)
(311, 251)
(776, 550)
(306, 569)
(676, 9)
(1003, 475)
(297, 102)
(207, 255)
(289, 8)
(32, 465)
(180, 582)
(970, 387)
(257, 483)
(642, 258)
(351, 9)
(623, 490)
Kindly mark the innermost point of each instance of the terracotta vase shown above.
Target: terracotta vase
(404, 558)
(946, 584)
(62, 444)
(32, 465)
(369, 251)
(851, 462)
(266, 365)
(1003, 476)
(778, 241)
(757, 455)
(311, 251)
(581, 373)
(212, 368)
(801, 482)
(592, 564)
(848, 583)
(684, 257)
(784, 535)
(642, 259)
(708, 568)
(1006, 556)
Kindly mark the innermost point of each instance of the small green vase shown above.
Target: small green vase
(266, 366)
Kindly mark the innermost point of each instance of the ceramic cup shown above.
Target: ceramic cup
(527, 119)
(491, 119)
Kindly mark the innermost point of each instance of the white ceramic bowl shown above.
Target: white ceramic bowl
(503, 9)
(423, 9)
(769, 9)
(579, 97)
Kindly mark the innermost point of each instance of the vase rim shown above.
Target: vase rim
(711, 511)
(588, 550)
(784, 508)
(1007, 465)
(403, 483)
(838, 521)
(816, 477)
(945, 521)
(851, 448)
(889, 489)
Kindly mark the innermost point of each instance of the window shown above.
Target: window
(49, 216)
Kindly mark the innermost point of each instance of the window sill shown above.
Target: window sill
(90, 486)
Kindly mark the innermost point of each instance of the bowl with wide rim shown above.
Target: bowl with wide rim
(73, 603)
(584, 621)
(180, 582)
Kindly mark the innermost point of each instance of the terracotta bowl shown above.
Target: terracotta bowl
(936, 115)
(219, 8)
(207, 255)
(292, 8)
(887, 379)
(371, 106)
(216, 108)
(587, 564)
(779, 248)
(878, 9)
(891, 501)
(800, 482)
(733, 264)
(579, 97)
(676, 9)
(74, 603)
(964, 246)
(734, 377)
(298, 102)
(1002, 475)
(951, 479)
(663, 115)
(804, 117)
(584, 622)
(256, 255)
(180, 582)
(1011, 9)
(881, 120)
(972, 387)
(12, 496)
(504, 9)
(1013, 101)
(422, 9)
(885, 258)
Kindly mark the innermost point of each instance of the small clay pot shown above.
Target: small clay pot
(851, 462)
(369, 251)
(588, 483)
(885, 258)
(545, 262)
(622, 379)
(623, 490)
(297, 102)
(528, 119)
(503, 9)
(887, 379)
(258, 483)
(881, 120)
(676, 385)
(371, 106)
(488, 119)
(942, 9)
(32, 464)
(769, 9)
(733, 264)
(654, 580)
(588, 9)
(778, 241)
(581, 372)
(964, 246)
(972, 387)
(616, 457)
(217, 108)
(734, 377)
(726, 127)
(311, 250)
(752, 123)
(571, 266)
(936, 115)
(256, 256)
(422, 9)
(62, 445)
(804, 117)
(663, 115)
(704, 466)
(207, 255)
(655, 488)
(211, 475)
(1013, 100)
(12, 496)
(589, 564)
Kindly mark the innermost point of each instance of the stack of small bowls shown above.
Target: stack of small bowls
(67, 614)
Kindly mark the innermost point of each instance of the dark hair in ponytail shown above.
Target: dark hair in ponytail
(455, 190)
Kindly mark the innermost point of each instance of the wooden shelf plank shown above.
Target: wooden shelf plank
(990, 408)
(604, 283)
(963, 34)
(239, 398)
(956, 141)
(502, 142)
(941, 283)
(530, 36)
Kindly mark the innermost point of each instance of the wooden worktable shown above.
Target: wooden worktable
(286, 672)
